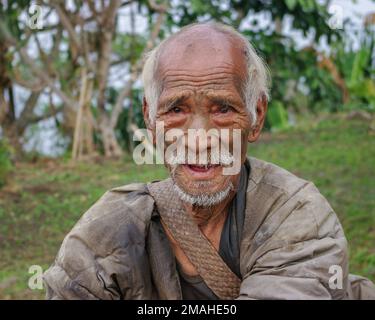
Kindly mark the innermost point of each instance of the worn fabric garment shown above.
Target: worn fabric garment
(290, 239)
(230, 240)
(194, 287)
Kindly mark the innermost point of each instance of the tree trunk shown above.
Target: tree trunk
(110, 144)
(13, 139)
(83, 143)
(7, 113)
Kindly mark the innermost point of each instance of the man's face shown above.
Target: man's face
(202, 74)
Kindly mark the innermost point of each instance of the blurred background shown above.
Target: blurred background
(70, 100)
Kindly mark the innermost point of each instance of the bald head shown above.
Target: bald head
(203, 47)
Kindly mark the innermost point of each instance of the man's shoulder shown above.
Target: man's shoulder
(130, 187)
(273, 182)
(120, 212)
(127, 202)
(277, 178)
(286, 203)
(113, 230)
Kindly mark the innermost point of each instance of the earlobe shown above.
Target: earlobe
(254, 133)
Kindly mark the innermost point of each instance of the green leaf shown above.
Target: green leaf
(291, 4)
(277, 115)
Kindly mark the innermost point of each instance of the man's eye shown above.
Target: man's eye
(225, 109)
(175, 110)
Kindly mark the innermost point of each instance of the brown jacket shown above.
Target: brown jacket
(291, 238)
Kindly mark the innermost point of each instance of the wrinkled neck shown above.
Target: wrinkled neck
(210, 217)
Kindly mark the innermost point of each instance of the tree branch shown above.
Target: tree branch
(106, 35)
(69, 28)
(7, 37)
(125, 92)
(50, 113)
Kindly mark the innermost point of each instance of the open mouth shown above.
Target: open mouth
(205, 172)
(201, 168)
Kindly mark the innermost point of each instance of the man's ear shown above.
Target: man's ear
(146, 113)
(146, 118)
(261, 111)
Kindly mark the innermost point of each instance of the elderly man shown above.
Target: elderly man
(259, 233)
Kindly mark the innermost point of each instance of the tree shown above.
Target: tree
(13, 127)
(89, 29)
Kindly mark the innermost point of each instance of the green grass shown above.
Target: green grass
(43, 201)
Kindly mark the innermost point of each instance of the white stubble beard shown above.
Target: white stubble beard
(203, 200)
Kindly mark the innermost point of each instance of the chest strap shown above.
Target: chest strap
(209, 264)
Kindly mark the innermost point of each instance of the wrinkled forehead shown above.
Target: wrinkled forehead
(203, 50)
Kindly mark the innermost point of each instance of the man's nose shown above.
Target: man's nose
(200, 134)
(199, 121)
